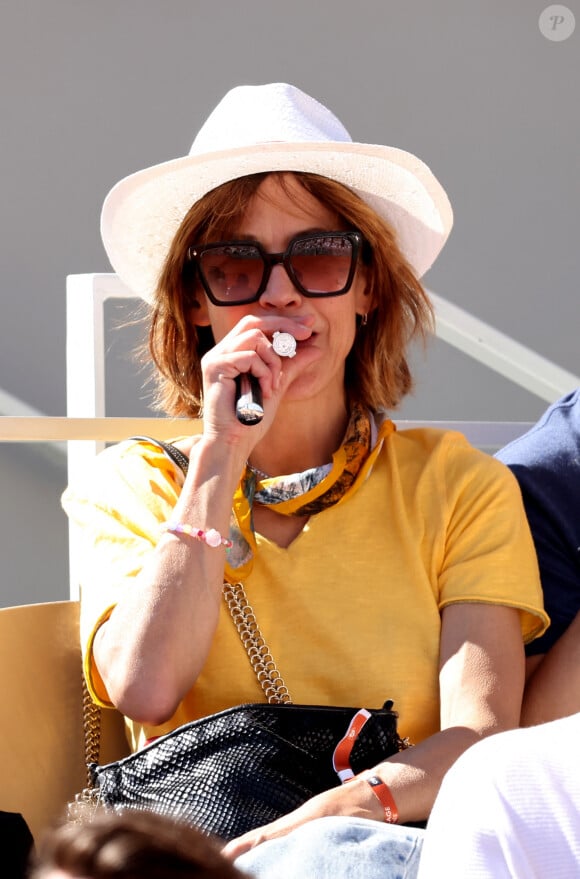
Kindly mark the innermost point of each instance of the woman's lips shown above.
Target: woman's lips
(305, 343)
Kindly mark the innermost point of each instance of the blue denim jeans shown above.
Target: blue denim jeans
(338, 848)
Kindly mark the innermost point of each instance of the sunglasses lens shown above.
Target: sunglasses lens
(322, 264)
(318, 265)
(233, 273)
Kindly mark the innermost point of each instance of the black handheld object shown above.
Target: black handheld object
(248, 399)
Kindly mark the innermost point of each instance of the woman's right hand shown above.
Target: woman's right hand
(247, 348)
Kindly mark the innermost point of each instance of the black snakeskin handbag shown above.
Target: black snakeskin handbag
(241, 768)
(246, 766)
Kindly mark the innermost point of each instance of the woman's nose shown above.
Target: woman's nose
(280, 290)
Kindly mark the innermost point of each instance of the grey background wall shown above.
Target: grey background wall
(90, 92)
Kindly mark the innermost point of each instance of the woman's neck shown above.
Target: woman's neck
(302, 436)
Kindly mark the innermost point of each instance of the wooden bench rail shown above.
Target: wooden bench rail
(486, 435)
(47, 429)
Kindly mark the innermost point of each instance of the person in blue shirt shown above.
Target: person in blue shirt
(546, 463)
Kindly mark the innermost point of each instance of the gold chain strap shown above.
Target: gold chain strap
(92, 728)
(261, 659)
(83, 807)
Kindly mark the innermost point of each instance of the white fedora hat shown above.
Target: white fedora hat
(273, 127)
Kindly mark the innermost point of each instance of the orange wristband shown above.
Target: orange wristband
(385, 798)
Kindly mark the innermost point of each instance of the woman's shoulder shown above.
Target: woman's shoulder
(135, 467)
(130, 456)
(447, 455)
(429, 439)
(435, 443)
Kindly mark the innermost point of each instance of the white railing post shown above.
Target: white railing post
(85, 370)
(85, 391)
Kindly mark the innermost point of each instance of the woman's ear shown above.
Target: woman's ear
(364, 298)
(199, 313)
(194, 299)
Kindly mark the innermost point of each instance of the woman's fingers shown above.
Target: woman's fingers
(248, 349)
(350, 799)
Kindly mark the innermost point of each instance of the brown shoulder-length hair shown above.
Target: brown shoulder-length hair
(377, 372)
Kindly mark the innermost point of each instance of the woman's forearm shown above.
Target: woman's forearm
(151, 650)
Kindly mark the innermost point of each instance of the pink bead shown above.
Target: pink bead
(212, 538)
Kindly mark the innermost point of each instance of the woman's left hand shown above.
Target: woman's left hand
(353, 798)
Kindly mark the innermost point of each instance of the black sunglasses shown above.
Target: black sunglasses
(237, 272)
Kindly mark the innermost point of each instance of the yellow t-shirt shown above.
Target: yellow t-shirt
(351, 609)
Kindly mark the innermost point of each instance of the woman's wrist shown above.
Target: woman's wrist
(213, 475)
(380, 798)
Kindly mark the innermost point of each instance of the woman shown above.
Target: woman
(398, 564)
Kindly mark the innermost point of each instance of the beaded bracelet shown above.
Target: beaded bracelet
(383, 794)
(211, 537)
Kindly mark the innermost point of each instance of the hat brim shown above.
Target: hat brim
(143, 212)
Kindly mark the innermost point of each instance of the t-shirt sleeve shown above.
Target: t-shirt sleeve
(489, 554)
(118, 507)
